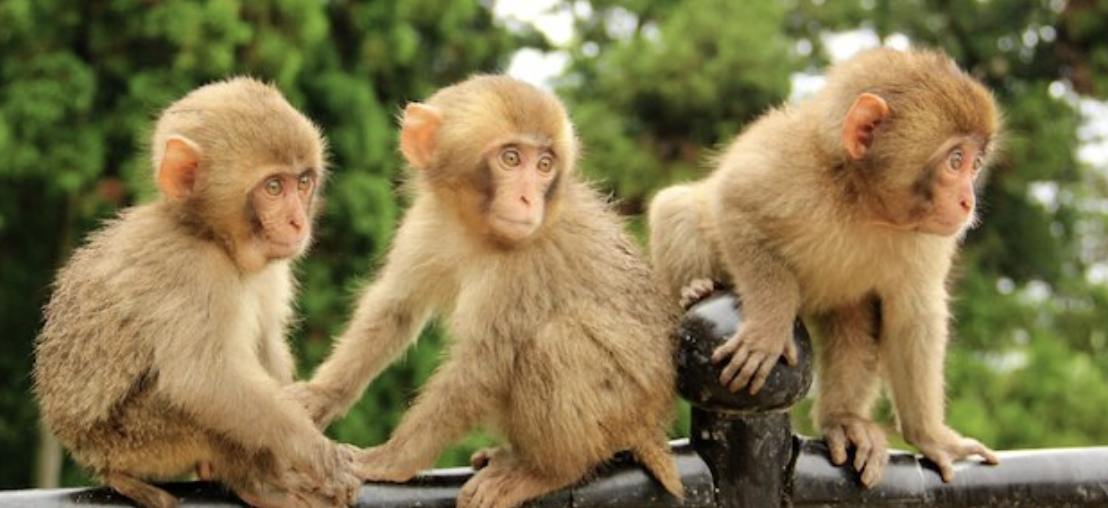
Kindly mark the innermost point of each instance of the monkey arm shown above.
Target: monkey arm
(388, 318)
(770, 295)
(913, 344)
(210, 370)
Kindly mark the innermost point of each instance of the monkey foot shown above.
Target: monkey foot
(696, 291)
(504, 484)
(142, 493)
(951, 447)
(871, 451)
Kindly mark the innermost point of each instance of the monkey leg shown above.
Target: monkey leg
(681, 249)
(140, 492)
(509, 481)
(452, 401)
(849, 381)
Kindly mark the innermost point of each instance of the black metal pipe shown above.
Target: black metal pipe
(742, 454)
(620, 484)
(1041, 478)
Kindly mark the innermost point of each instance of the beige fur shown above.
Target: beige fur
(562, 344)
(164, 344)
(801, 226)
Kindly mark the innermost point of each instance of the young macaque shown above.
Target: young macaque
(164, 344)
(561, 334)
(847, 209)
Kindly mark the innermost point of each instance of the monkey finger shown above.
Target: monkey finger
(762, 375)
(791, 355)
(836, 444)
(974, 447)
(990, 456)
(732, 368)
(874, 468)
(946, 467)
(753, 363)
(726, 350)
(861, 455)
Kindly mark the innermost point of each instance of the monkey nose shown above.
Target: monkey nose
(967, 204)
(296, 222)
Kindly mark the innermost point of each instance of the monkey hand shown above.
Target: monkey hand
(753, 353)
(330, 472)
(384, 463)
(288, 491)
(947, 446)
(871, 451)
(321, 404)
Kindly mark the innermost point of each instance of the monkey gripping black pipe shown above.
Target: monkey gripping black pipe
(746, 440)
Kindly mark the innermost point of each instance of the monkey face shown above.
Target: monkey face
(280, 205)
(953, 200)
(522, 174)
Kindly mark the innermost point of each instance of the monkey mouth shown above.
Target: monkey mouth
(280, 248)
(513, 228)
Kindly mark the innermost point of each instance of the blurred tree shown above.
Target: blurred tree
(81, 83)
(655, 87)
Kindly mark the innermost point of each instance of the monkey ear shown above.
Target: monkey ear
(418, 131)
(177, 170)
(861, 121)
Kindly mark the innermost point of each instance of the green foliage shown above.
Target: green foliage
(655, 87)
(80, 85)
(648, 106)
(688, 74)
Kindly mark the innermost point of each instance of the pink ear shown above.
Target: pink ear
(860, 123)
(418, 131)
(177, 171)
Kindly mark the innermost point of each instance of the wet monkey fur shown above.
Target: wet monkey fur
(562, 336)
(164, 349)
(846, 210)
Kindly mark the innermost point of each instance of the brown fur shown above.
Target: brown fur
(163, 348)
(561, 342)
(799, 225)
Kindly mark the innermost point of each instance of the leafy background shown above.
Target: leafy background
(655, 88)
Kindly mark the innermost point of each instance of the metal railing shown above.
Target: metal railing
(742, 453)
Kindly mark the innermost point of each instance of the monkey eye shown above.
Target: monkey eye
(546, 164)
(304, 183)
(510, 157)
(273, 186)
(979, 161)
(955, 160)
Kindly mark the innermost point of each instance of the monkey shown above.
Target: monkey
(562, 338)
(163, 346)
(846, 210)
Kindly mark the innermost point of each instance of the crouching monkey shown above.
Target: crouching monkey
(562, 338)
(848, 210)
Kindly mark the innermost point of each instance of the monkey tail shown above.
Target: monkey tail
(658, 459)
